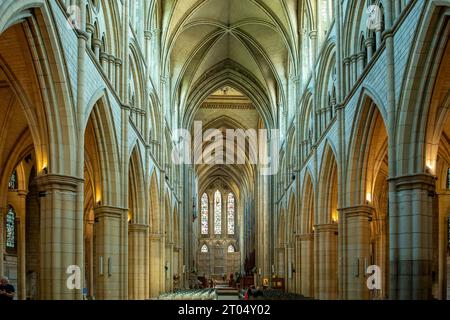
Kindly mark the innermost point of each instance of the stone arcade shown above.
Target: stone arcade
(357, 91)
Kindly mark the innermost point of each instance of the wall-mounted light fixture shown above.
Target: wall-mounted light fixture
(368, 198)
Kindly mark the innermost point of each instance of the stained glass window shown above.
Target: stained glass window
(204, 214)
(11, 228)
(13, 184)
(217, 213)
(230, 213)
(231, 249)
(204, 249)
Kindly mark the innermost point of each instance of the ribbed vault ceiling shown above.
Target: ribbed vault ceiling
(254, 35)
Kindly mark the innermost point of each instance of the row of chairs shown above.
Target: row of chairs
(197, 294)
(274, 295)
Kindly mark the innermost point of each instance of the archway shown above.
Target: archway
(326, 244)
(33, 104)
(103, 217)
(365, 216)
(292, 248)
(137, 230)
(156, 262)
(307, 230)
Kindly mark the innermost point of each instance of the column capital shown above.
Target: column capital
(387, 34)
(104, 56)
(108, 211)
(347, 60)
(90, 27)
(361, 55)
(322, 228)
(362, 211)
(82, 34)
(59, 182)
(369, 42)
(97, 43)
(138, 228)
(313, 34)
(424, 181)
(148, 35)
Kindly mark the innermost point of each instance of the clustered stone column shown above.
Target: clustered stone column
(108, 244)
(411, 244)
(358, 251)
(326, 262)
(60, 227)
(136, 261)
(307, 265)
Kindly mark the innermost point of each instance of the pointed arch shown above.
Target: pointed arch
(328, 187)
(136, 188)
(307, 221)
(46, 100)
(367, 151)
(154, 214)
(292, 225)
(424, 103)
(103, 150)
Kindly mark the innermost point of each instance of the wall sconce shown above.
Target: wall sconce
(368, 198)
(429, 167)
(45, 170)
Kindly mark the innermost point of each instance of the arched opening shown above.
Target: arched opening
(307, 238)
(156, 263)
(103, 218)
(27, 105)
(326, 243)
(292, 248)
(366, 217)
(137, 231)
(438, 163)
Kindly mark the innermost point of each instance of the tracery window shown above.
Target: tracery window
(231, 249)
(217, 213)
(231, 213)
(204, 249)
(11, 228)
(204, 214)
(13, 183)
